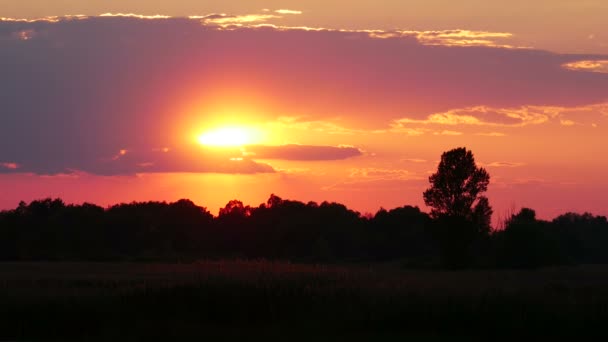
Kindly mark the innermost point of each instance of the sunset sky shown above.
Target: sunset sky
(349, 101)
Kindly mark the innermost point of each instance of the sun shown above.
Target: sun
(230, 137)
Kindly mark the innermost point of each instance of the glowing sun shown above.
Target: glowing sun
(230, 137)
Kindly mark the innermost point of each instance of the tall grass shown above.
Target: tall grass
(260, 299)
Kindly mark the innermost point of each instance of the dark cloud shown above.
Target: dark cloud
(129, 162)
(76, 91)
(303, 152)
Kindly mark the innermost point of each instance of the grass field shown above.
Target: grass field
(225, 300)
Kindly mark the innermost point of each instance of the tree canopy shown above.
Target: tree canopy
(457, 187)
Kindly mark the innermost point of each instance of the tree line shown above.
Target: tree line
(455, 234)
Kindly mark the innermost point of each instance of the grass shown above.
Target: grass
(229, 300)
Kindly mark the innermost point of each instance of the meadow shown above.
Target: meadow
(229, 300)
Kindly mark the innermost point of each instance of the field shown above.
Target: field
(229, 300)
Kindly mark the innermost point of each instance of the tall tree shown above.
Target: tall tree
(457, 187)
(462, 215)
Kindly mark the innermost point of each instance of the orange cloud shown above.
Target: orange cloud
(236, 20)
(413, 132)
(446, 132)
(599, 66)
(505, 164)
(372, 173)
(319, 126)
(414, 160)
(567, 122)
(461, 38)
(368, 179)
(492, 134)
(133, 15)
(487, 116)
(287, 11)
(503, 117)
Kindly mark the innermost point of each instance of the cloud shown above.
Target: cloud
(158, 160)
(414, 160)
(567, 122)
(452, 37)
(287, 11)
(505, 164)
(372, 173)
(49, 19)
(236, 20)
(491, 134)
(303, 152)
(132, 15)
(488, 116)
(598, 66)
(409, 131)
(461, 38)
(319, 126)
(375, 179)
(446, 132)
(77, 91)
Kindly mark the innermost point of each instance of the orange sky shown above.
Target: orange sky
(110, 109)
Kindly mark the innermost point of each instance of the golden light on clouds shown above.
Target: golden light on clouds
(600, 66)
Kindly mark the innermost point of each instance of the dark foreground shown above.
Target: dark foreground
(232, 300)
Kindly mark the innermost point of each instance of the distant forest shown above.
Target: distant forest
(292, 230)
(456, 234)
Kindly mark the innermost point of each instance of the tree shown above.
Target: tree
(456, 189)
(526, 242)
(235, 208)
(461, 214)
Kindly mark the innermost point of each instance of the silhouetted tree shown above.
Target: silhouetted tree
(461, 213)
(457, 186)
(49, 229)
(526, 242)
(401, 233)
(582, 237)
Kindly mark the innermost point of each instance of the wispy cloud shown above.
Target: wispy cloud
(236, 20)
(453, 37)
(462, 38)
(414, 160)
(319, 126)
(287, 11)
(409, 131)
(366, 179)
(446, 132)
(599, 66)
(491, 134)
(488, 116)
(504, 164)
(564, 122)
(372, 173)
(133, 15)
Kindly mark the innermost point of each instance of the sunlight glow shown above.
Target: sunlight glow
(230, 137)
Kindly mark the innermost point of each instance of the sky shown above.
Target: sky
(116, 101)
